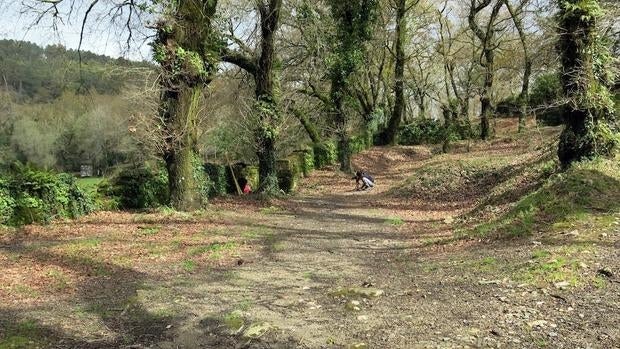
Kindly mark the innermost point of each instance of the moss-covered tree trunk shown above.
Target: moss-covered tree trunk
(185, 48)
(181, 157)
(353, 29)
(590, 125)
(391, 133)
(487, 38)
(267, 104)
(341, 122)
(310, 128)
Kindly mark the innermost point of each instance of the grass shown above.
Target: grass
(560, 265)
(148, 231)
(188, 265)
(22, 335)
(395, 221)
(78, 248)
(587, 193)
(89, 184)
(212, 248)
(234, 321)
(59, 280)
(270, 210)
(25, 291)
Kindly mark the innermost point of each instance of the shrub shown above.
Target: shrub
(325, 154)
(359, 143)
(79, 203)
(546, 92)
(140, 188)
(36, 196)
(250, 173)
(422, 131)
(7, 203)
(218, 179)
(104, 198)
(308, 161)
(305, 158)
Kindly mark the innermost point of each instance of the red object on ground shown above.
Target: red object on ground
(247, 189)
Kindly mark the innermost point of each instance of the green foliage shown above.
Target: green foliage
(588, 189)
(358, 144)
(139, 188)
(325, 154)
(218, 179)
(250, 173)
(28, 195)
(7, 203)
(268, 118)
(23, 335)
(587, 75)
(289, 173)
(422, 131)
(306, 160)
(43, 74)
(544, 97)
(396, 221)
(201, 179)
(429, 131)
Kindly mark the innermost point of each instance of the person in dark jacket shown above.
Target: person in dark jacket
(363, 181)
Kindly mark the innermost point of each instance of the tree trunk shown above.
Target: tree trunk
(524, 97)
(488, 109)
(268, 113)
(584, 75)
(181, 115)
(187, 65)
(487, 39)
(391, 133)
(341, 122)
(313, 133)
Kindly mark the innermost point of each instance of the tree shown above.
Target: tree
(353, 29)
(186, 47)
(402, 8)
(262, 68)
(516, 14)
(586, 75)
(487, 37)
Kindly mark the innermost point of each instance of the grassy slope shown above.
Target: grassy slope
(588, 194)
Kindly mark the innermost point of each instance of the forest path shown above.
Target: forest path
(328, 267)
(339, 268)
(344, 269)
(348, 269)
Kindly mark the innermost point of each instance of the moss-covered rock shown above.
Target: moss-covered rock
(305, 158)
(289, 173)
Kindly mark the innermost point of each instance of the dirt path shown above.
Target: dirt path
(327, 268)
(346, 268)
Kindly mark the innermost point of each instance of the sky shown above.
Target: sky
(100, 36)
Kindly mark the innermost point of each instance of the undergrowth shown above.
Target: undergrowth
(585, 194)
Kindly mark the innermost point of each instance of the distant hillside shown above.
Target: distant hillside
(39, 74)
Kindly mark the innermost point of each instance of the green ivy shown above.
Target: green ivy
(29, 195)
(139, 188)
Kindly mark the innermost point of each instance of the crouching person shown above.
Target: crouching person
(363, 181)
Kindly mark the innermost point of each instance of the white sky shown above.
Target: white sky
(100, 36)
